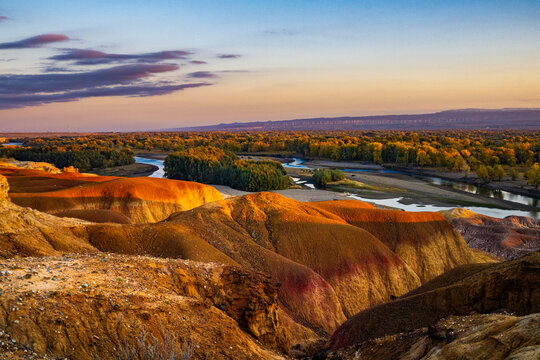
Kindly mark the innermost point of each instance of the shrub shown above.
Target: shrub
(322, 177)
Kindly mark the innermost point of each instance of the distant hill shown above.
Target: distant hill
(484, 119)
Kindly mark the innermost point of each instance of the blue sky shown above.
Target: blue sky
(293, 59)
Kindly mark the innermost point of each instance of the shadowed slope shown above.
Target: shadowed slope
(512, 285)
(97, 216)
(140, 199)
(476, 336)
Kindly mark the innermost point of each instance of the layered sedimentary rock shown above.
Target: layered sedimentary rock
(512, 286)
(330, 259)
(478, 336)
(27, 232)
(142, 200)
(329, 264)
(508, 238)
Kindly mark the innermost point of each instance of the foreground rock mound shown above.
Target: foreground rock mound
(93, 307)
(508, 238)
(513, 286)
(489, 336)
(142, 200)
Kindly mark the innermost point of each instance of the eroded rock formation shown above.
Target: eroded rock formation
(508, 238)
(513, 286)
(90, 307)
(142, 200)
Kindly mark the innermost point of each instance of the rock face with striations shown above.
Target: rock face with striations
(513, 286)
(25, 232)
(331, 258)
(142, 200)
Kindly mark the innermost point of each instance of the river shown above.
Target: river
(159, 173)
(397, 202)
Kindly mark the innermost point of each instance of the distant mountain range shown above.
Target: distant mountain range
(484, 119)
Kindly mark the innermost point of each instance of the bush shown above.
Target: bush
(150, 348)
(484, 173)
(322, 177)
(498, 172)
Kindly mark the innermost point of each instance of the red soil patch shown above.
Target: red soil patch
(97, 216)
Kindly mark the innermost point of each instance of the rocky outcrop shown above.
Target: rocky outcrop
(508, 238)
(88, 307)
(478, 336)
(15, 164)
(4, 189)
(330, 259)
(142, 200)
(513, 286)
(25, 232)
(329, 266)
(418, 238)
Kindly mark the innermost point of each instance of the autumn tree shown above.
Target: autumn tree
(533, 175)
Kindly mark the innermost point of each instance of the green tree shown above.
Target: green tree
(483, 173)
(533, 175)
(498, 172)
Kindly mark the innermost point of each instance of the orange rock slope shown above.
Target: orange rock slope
(100, 306)
(142, 200)
(332, 259)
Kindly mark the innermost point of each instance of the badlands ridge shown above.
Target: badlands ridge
(89, 263)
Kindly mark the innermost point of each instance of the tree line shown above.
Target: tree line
(211, 165)
(491, 154)
(84, 159)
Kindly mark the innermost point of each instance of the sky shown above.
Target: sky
(121, 65)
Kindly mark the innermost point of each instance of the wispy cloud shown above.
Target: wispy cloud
(229, 56)
(3, 18)
(123, 74)
(94, 57)
(201, 75)
(126, 80)
(198, 62)
(35, 41)
(23, 100)
(281, 32)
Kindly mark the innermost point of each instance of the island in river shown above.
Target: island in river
(386, 188)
